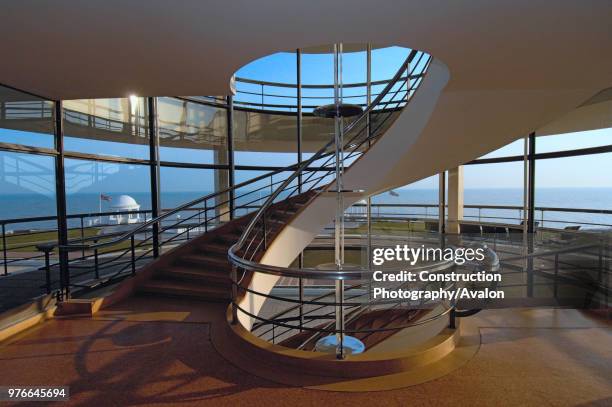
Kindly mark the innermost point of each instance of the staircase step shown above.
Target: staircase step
(173, 288)
(200, 276)
(206, 262)
(225, 239)
(217, 249)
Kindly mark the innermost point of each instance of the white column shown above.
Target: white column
(455, 200)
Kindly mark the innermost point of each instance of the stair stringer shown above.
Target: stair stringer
(365, 174)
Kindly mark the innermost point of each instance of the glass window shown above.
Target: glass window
(192, 132)
(316, 133)
(499, 184)
(581, 182)
(252, 195)
(264, 139)
(515, 148)
(94, 186)
(25, 119)
(571, 141)
(113, 127)
(412, 200)
(182, 185)
(27, 186)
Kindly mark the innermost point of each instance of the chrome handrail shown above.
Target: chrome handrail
(351, 273)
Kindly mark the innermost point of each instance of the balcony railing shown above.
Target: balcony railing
(267, 96)
(19, 237)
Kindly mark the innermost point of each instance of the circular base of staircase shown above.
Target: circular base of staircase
(378, 370)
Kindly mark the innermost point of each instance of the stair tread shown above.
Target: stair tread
(204, 260)
(194, 273)
(214, 248)
(171, 286)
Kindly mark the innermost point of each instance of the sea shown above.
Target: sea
(15, 206)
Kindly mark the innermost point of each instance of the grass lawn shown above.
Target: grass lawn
(391, 227)
(26, 242)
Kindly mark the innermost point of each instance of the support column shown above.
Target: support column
(531, 229)
(339, 219)
(154, 169)
(455, 200)
(230, 153)
(369, 126)
(224, 203)
(60, 199)
(531, 158)
(442, 203)
(222, 181)
(298, 73)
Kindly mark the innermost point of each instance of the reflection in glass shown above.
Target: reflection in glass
(27, 185)
(264, 139)
(115, 127)
(25, 119)
(192, 132)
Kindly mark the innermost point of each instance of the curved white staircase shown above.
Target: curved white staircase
(366, 174)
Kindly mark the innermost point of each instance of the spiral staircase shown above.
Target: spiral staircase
(238, 260)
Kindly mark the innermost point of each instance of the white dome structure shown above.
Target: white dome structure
(125, 203)
(121, 205)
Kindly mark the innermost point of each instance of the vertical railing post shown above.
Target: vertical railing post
(262, 96)
(452, 318)
(96, 261)
(301, 293)
(230, 153)
(82, 236)
(264, 230)
(298, 57)
(556, 282)
(47, 272)
(60, 199)
(206, 216)
(4, 250)
(339, 218)
(154, 166)
(531, 212)
(369, 132)
(133, 254)
(441, 203)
